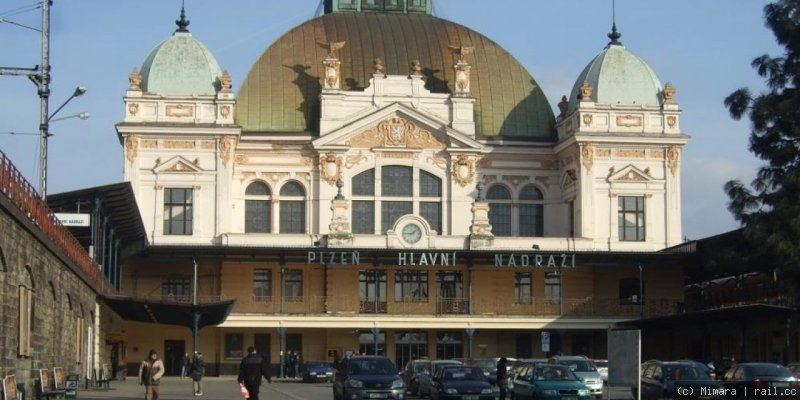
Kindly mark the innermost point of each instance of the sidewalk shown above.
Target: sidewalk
(175, 388)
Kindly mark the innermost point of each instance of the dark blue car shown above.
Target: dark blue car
(317, 371)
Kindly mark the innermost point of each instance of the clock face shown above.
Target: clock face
(412, 233)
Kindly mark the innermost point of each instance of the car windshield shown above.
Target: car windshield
(419, 367)
(437, 366)
(484, 364)
(462, 374)
(578, 365)
(769, 370)
(551, 372)
(371, 366)
(684, 372)
(601, 364)
(318, 365)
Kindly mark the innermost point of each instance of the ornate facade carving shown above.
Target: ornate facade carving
(630, 153)
(225, 82)
(226, 144)
(587, 156)
(179, 144)
(485, 163)
(671, 121)
(438, 161)
(133, 109)
(673, 158)
(563, 105)
(179, 167)
(148, 143)
(377, 65)
(225, 111)
(658, 154)
(247, 175)
(396, 132)
(330, 167)
(135, 79)
(631, 175)
(587, 119)
(463, 170)
(395, 154)
(276, 176)
(131, 147)
(354, 159)
(603, 153)
(669, 93)
(515, 180)
(207, 144)
(179, 110)
(629, 121)
(241, 158)
(585, 93)
(416, 68)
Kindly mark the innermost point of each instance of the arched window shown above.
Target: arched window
(397, 196)
(257, 215)
(499, 210)
(531, 211)
(293, 208)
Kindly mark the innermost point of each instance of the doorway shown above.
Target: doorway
(372, 291)
(409, 346)
(174, 350)
(261, 341)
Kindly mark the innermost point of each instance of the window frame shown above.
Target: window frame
(188, 212)
(520, 284)
(409, 281)
(286, 224)
(264, 201)
(639, 215)
(266, 274)
(292, 276)
(552, 287)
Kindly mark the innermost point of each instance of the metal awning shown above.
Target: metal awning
(742, 313)
(170, 313)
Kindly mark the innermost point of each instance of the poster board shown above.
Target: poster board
(10, 388)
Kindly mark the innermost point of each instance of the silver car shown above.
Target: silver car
(585, 370)
(602, 369)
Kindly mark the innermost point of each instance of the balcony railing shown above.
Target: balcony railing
(498, 307)
(776, 299)
(14, 186)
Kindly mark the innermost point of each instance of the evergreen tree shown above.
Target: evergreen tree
(769, 209)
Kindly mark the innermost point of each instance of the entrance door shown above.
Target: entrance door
(372, 291)
(409, 346)
(449, 345)
(261, 341)
(174, 351)
(525, 346)
(368, 345)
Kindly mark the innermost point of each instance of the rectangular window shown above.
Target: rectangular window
(522, 288)
(262, 285)
(631, 218)
(396, 181)
(500, 218)
(391, 211)
(257, 216)
(363, 216)
(293, 217)
(234, 345)
(411, 286)
(177, 211)
(25, 324)
(176, 289)
(552, 287)
(364, 183)
(293, 285)
(531, 220)
(432, 212)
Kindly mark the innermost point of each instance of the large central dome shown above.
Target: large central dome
(281, 91)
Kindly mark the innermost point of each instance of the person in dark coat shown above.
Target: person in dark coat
(502, 377)
(252, 368)
(196, 371)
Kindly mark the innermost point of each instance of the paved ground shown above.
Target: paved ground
(226, 388)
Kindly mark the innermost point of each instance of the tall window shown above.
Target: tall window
(531, 211)
(293, 285)
(262, 285)
(499, 210)
(396, 196)
(177, 211)
(175, 289)
(552, 287)
(631, 218)
(372, 290)
(234, 345)
(629, 292)
(25, 324)
(257, 213)
(411, 285)
(522, 288)
(293, 208)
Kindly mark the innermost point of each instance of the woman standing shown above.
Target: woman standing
(150, 372)
(196, 371)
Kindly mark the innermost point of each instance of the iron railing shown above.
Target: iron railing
(14, 186)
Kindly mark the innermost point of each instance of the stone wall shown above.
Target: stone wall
(64, 306)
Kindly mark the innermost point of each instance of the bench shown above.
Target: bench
(104, 377)
(10, 388)
(44, 387)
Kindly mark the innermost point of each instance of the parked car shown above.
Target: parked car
(427, 374)
(317, 371)
(747, 379)
(371, 377)
(660, 379)
(708, 366)
(411, 373)
(460, 382)
(602, 369)
(794, 368)
(585, 370)
(542, 381)
(489, 368)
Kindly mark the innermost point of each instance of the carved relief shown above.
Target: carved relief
(630, 153)
(657, 154)
(225, 82)
(549, 164)
(307, 161)
(179, 167)
(179, 110)
(485, 163)
(671, 121)
(354, 159)
(628, 121)
(585, 93)
(463, 170)
(207, 144)
(276, 176)
(135, 79)
(438, 161)
(587, 119)
(603, 153)
(225, 111)
(331, 65)
(489, 178)
(632, 176)
(395, 154)
(131, 146)
(148, 143)
(396, 132)
(225, 145)
(669, 93)
(330, 167)
(179, 144)
(133, 109)
(587, 156)
(240, 159)
(673, 158)
(515, 180)
(246, 176)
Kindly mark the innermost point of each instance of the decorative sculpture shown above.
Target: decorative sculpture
(586, 91)
(416, 68)
(225, 82)
(462, 69)
(378, 66)
(563, 105)
(669, 93)
(135, 78)
(332, 65)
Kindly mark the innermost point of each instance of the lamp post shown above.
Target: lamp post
(44, 134)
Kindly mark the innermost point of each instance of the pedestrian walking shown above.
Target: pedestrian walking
(502, 377)
(150, 372)
(252, 368)
(196, 371)
(185, 365)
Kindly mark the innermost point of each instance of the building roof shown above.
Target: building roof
(281, 91)
(618, 76)
(180, 64)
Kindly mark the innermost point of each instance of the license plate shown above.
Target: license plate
(470, 397)
(377, 395)
(780, 384)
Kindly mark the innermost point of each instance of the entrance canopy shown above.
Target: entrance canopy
(741, 314)
(170, 313)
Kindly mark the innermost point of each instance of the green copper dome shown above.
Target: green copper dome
(180, 65)
(281, 92)
(618, 76)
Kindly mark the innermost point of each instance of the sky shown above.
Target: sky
(703, 47)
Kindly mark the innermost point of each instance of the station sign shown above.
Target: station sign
(73, 219)
(450, 258)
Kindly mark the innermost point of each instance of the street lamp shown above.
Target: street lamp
(44, 133)
(82, 115)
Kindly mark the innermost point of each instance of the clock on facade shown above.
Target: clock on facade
(412, 233)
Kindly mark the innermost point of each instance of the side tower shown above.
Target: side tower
(619, 148)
